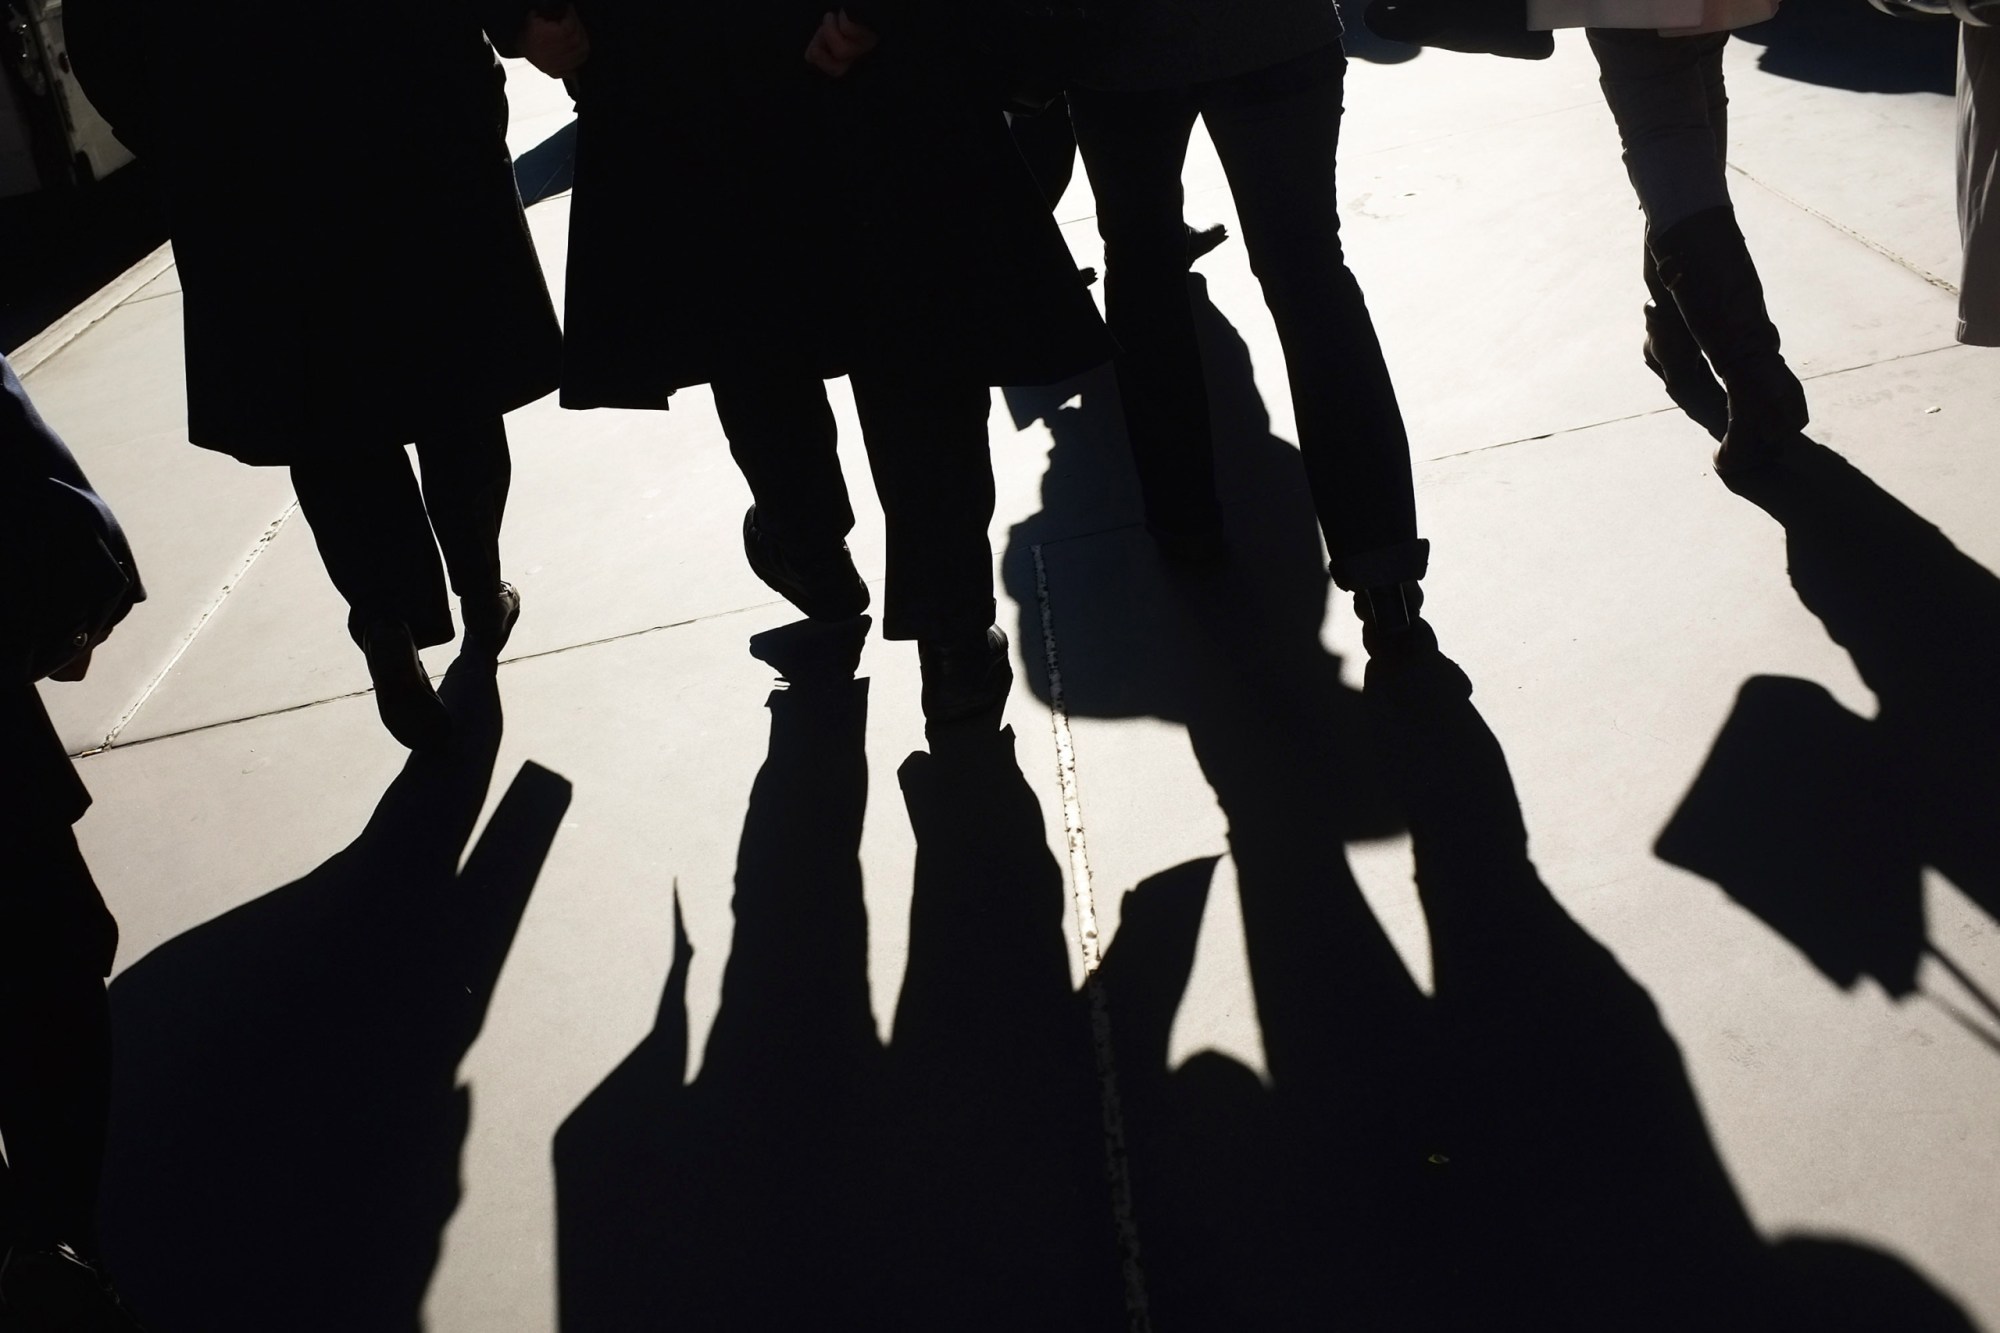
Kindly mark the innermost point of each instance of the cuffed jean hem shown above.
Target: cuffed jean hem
(1405, 562)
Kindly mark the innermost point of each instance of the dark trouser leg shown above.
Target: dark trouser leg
(1277, 131)
(55, 1048)
(367, 516)
(1667, 96)
(466, 473)
(782, 436)
(1133, 145)
(1979, 184)
(927, 449)
(1049, 145)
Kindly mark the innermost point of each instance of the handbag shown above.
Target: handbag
(1481, 27)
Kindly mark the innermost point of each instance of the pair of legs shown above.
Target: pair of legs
(925, 433)
(1706, 319)
(1276, 131)
(379, 532)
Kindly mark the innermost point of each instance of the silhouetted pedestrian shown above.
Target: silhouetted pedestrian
(1266, 79)
(72, 579)
(357, 276)
(767, 197)
(1661, 65)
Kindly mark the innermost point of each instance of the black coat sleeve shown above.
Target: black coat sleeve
(60, 547)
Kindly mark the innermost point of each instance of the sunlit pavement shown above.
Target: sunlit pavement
(1753, 739)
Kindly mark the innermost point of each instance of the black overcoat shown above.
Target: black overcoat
(355, 263)
(736, 211)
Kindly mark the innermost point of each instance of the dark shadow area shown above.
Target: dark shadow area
(810, 1176)
(287, 1118)
(1362, 44)
(549, 168)
(1820, 821)
(1521, 1148)
(59, 246)
(1851, 44)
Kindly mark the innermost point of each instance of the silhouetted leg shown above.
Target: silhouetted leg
(1667, 96)
(927, 449)
(1049, 145)
(367, 516)
(1979, 184)
(1133, 145)
(466, 472)
(1277, 131)
(782, 436)
(55, 1042)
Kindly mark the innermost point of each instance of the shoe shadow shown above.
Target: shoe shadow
(1822, 822)
(286, 1115)
(811, 1175)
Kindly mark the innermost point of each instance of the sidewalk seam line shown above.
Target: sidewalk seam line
(1841, 227)
(1660, 411)
(1117, 1164)
(262, 544)
(114, 744)
(39, 350)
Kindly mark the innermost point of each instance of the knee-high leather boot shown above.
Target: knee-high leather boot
(1672, 353)
(1705, 264)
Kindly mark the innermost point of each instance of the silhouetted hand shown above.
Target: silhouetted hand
(839, 42)
(557, 46)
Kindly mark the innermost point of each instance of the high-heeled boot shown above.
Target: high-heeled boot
(1671, 352)
(1705, 264)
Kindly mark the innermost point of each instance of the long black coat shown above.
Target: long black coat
(355, 264)
(736, 211)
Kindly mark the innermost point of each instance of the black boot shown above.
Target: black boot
(1705, 264)
(1672, 353)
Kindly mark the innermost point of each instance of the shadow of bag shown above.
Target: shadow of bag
(1480, 27)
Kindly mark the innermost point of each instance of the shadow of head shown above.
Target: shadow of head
(286, 1086)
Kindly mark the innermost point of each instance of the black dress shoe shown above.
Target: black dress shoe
(966, 679)
(489, 621)
(824, 585)
(409, 707)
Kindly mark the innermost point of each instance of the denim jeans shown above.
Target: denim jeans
(1276, 131)
(1672, 110)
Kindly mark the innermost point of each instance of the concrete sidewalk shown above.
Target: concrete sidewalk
(1753, 742)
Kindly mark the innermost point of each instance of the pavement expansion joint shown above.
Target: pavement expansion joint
(1943, 284)
(1117, 1162)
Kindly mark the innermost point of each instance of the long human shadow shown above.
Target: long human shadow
(287, 1116)
(1518, 1149)
(810, 1176)
(1823, 822)
(1850, 44)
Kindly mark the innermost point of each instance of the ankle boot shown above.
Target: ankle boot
(409, 707)
(1705, 264)
(1671, 352)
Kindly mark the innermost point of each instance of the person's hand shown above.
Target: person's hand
(555, 46)
(839, 42)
